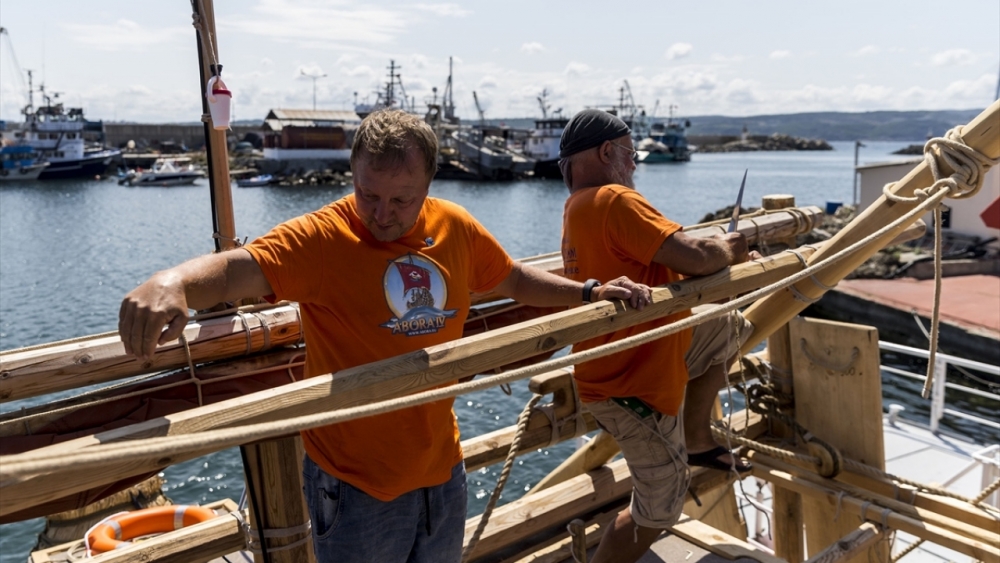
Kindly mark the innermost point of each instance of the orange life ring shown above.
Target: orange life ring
(117, 530)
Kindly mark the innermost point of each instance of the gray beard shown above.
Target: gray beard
(620, 174)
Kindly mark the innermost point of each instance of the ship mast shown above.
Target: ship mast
(216, 151)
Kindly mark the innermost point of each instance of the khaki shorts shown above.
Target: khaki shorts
(654, 446)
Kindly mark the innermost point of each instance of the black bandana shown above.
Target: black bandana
(588, 129)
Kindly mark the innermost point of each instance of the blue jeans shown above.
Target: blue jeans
(350, 526)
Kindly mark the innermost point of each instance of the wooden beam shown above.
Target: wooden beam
(981, 134)
(517, 520)
(711, 539)
(986, 552)
(760, 229)
(393, 377)
(70, 364)
(986, 535)
(274, 470)
(595, 453)
(850, 546)
(789, 542)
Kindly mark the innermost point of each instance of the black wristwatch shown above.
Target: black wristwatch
(588, 290)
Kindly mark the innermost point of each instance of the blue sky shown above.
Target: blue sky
(135, 60)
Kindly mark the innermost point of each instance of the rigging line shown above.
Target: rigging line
(96, 456)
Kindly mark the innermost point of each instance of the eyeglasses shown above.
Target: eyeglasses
(635, 153)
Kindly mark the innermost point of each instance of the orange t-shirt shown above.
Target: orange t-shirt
(612, 231)
(363, 300)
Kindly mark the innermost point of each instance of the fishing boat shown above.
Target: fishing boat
(59, 136)
(542, 144)
(20, 162)
(666, 142)
(166, 172)
(814, 428)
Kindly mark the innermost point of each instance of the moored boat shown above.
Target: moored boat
(166, 172)
(20, 162)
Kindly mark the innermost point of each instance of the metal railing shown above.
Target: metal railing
(941, 363)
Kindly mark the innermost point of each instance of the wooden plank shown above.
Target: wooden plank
(30, 372)
(274, 469)
(835, 369)
(595, 453)
(516, 521)
(856, 543)
(851, 506)
(716, 541)
(981, 134)
(393, 377)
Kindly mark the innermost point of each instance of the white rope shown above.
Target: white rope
(30, 463)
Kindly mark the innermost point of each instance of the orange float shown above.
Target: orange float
(116, 531)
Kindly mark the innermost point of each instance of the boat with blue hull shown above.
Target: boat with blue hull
(20, 162)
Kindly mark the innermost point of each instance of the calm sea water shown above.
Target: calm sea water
(70, 250)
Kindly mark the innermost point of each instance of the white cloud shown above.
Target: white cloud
(678, 51)
(487, 82)
(315, 25)
(953, 57)
(720, 58)
(420, 61)
(266, 62)
(532, 47)
(865, 51)
(576, 69)
(123, 34)
(444, 10)
(361, 70)
(780, 54)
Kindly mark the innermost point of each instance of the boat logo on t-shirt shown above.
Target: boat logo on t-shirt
(414, 287)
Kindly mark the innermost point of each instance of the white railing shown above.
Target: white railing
(941, 363)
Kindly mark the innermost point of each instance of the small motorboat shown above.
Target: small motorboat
(255, 181)
(20, 162)
(172, 171)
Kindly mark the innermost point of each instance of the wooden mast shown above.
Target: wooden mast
(273, 468)
(216, 149)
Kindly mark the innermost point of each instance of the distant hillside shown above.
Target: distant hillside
(827, 125)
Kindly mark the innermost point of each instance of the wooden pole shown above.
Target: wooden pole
(578, 531)
(788, 539)
(216, 149)
(982, 134)
(273, 470)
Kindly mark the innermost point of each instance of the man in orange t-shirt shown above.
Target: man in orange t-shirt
(610, 230)
(384, 271)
